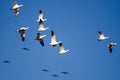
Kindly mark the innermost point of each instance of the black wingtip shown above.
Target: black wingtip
(52, 33)
(60, 44)
(41, 21)
(40, 11)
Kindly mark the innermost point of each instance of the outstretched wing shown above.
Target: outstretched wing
(40, 15)
(53, 37)
(61, 47)
(110, 48)
(101, 34)
(42, 42)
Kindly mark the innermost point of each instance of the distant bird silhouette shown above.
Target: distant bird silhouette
(16, 8)
(22, 32)
(62, 50)
(6, 61)
(45, 70)
(65, 72)
(54, 75)
(41, 16)
(40, 37)
(110, 46)
(101, 36)
(53, 40)
(41, 26)
(27, 49)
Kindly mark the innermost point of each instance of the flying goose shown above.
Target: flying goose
(45, 70)
(101, 36)
(40, 37)
(62, 50)
(54, 75)
(27, 49)
(110, 46)
(41, 26)
(6, 61)
(41, 16)
(65, 72)
(53, 40)
(16, 8)
(22, 32)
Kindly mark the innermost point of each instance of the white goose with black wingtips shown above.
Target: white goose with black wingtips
(101, 36)
(62, 50)
(16, 8)
(22, 32)
(53, 40)
(41, 16)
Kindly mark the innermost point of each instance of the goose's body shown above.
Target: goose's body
(16, 8)
(54, 75)
(65, 72)
(53, 40)
(41, 26)
(101, 36)
(45, 70)
(41, 16)
(62, 50)
(40, 37)
(22, 32)
(110, 46)
(6, 61)
(27, 49)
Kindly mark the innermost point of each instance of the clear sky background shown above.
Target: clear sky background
(76, 23)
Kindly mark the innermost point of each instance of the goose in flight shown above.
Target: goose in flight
(41, 26)
(16, 8)
(45, 70)
(40, 37)
(65, 72)
(110, 46)
(101, 36)
(62, 50)
(41, 16)
(6, 61)
(54, 75)
(27, 49)
(53, 40)
(22, 32)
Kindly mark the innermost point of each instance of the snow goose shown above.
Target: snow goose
(41, 16)
(62, 50)
(110, 46)
(101, 36)
(16, 8)
(41, 26)
(22, 32)
(40, 37)
(53, 40)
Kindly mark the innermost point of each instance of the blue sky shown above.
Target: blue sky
(76, 23)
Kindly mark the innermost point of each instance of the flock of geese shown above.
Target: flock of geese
(16, 7)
